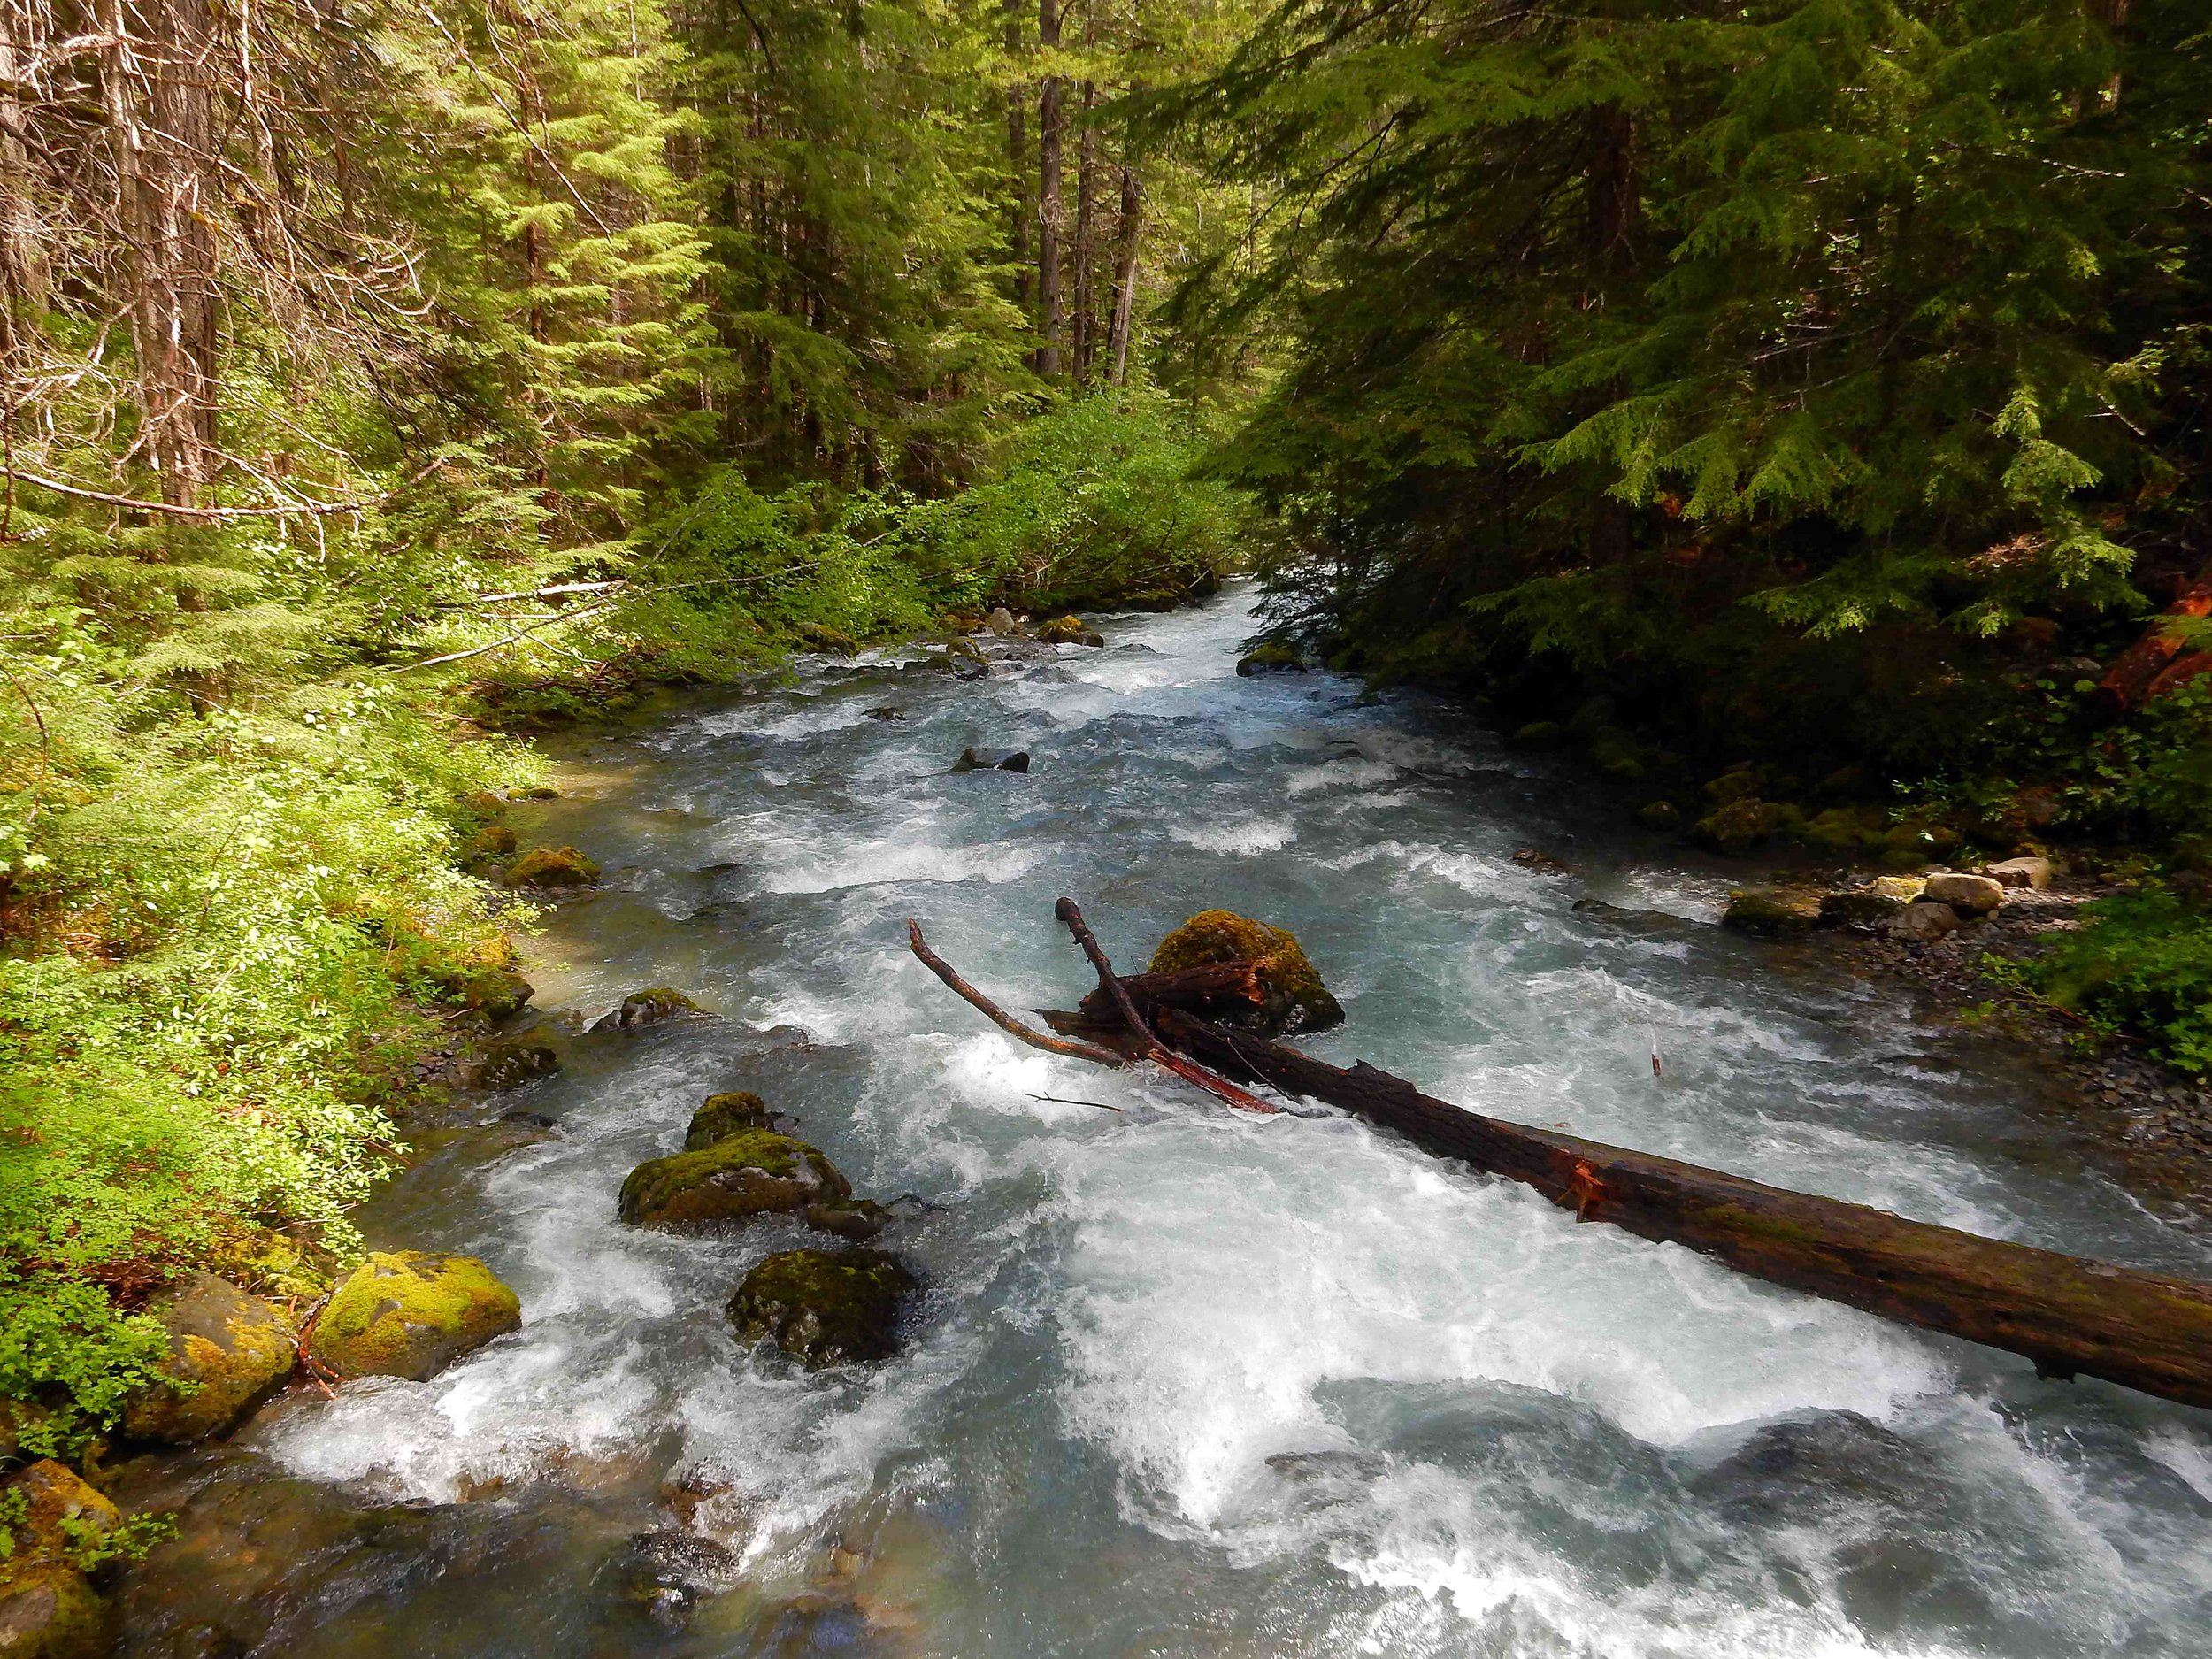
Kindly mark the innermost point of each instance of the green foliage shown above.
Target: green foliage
(2144, 965)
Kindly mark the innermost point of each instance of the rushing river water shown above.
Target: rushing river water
(1187, 1382)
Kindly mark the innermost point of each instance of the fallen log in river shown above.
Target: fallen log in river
(2070, 1315)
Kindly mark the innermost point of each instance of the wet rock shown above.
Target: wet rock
(1275, 657)
(651, 1006)
(1003, 626)
(506, 1065)
(1297, 1000)
(1070, 631)
(534, 792)
(1651, 924)
(1970, 896)
(835, 641)
(1660, 815)
(543, 1122)
(407, 1313)
(1860, 907)
(1925, 921)
(1736, 826)
(721, 1116)
(48, 1607)
(824, 1306)
(227, 1352)
(2030, 872)
(753, 1172)
(858, 1219)
(667, 1571)
(885, 712)
(487, 843)
(552, 867)
(1772, 912)
(992, 760)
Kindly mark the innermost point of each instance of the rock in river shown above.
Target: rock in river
(228, 1351)
(753, 1172)
(649, 1007)
(1070, 631)
(824, 1306)
(552, 867)
(47, 1607)
(1772, 911)
(858, 1219)
(992, 760)
(1297, 1000)
(721, 1116)
(409, 1314)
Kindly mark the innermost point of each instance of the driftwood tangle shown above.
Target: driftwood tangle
(2070, 1315)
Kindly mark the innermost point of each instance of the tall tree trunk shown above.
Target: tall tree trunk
(1124, 271)
(1085, 251)
(1050, 121)
(1614, 214)
(1018, 159)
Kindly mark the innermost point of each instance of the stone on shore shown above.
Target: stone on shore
(824, 1306)
(1970, 896)
(227, 1352)
(48, 1607)
(753, 1172)
(1772, 912)
(552, 867)
(409, 1313)
(2029, 872)
(1925, 921)
(1297, 1000)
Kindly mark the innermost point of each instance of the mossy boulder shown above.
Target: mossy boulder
(505, 1065)
(1659, 815)
(815, 637)
(1297, 1000)
(721, 1116)
(1736, 826)
(1275, 656)
(227, 1352)
(1542, 734)
(1070, 631)
(1772, 912)
(753, 1172)
(408, 1313)
(488, 841)
(48, 1607)
(272, 1263)
(651, 1006)
(824, 1306)
(1882, 899)
(552, 867)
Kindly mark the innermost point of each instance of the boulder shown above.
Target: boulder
(407, 1313)
(1736, 827)
(1660, 815)
(506, 1065)
(1925, 921)
(721, 1116)
(858, 1219)
(1297, 1000)
(1001, 625)
(534, 792)
(1275, 657)
(753, 1172)
(992, 760)
(1970, 896)
(885, 712)
(272, 1263)
(835, 641)
(2031, 872)
(48, 1607)
(227, 1352)
(1542, 734)
(1070, 631)
(1772, 912)
(552, 867)
(1882, 899)
(651, 1006)
(824, 1306)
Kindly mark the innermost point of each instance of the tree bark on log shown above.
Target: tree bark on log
(1210, 989)
(2068, 1314)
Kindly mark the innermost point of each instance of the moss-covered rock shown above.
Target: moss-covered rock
(552, 867)
(47, 1607)
(1772, 912)
(1297, 1000)
(488, 841)
(1273, 657)
(407, 1313)
(824, 1306)
(753, 1172)
(721, 1116)
(815, 637)
(1070, 631)
(227, 1352)
(1880, 901)
(272, 1263)
(649, 1007)
(1542, 734)
(505, 1065)
(1659, 815)
(1736, 826)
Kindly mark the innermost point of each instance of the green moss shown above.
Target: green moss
(755, 1171)
(1742, 824)
(1772, 911)
(552, 867)
(824, 1306)
(1213, 936)
(721, 1116)
(1275, 656)
(407, 1313)
(1068, 631)
(226, 1351)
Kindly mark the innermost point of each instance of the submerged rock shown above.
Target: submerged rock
(1297, 1000)
(407, 1313)
(824, 1306)
(885, 712)
(1070, 631)
(1772, 911)
(552, 867)
(48, 1607)
(506, 1065)
(721, 1116)
(858, 1219)
(227, 1352)
(992, 760)
(649, 1007)
(753, 1172)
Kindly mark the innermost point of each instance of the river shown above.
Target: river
(1184, 1381)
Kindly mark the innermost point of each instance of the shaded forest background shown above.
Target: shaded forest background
(1797, 407)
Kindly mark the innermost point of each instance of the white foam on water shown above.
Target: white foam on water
(898, 863)
(1243, 838)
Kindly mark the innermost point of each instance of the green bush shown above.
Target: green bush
(2144, 964)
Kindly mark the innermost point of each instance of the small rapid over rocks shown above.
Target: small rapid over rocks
(1176, 1380)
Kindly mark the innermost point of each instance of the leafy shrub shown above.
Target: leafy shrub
(2143, 964)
